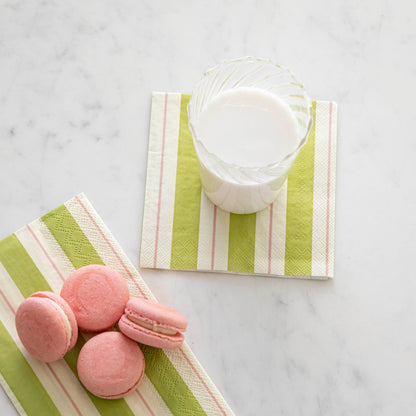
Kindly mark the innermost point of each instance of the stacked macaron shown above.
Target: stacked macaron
(94, 299)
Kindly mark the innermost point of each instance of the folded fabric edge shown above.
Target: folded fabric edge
(299, 277)
(80, 195)
(12, 397)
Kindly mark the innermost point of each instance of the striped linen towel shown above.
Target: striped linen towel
(39, 257)
(183, 230)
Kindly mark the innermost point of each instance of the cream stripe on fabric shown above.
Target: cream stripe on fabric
(153, 173)
(221, 240)
(55, 251)
(261, 250)
(197, 372)
(42, 235)
(277, 261)
(209, 398)
(270, 252)
(206, 221)
(148, 391)
(331, 242)
(320, 189)
(12, 397)
(137, 404)
(167, 194)
(11, 292)
(99, 236)
(74, 388)
(38, 256)
(42, 370)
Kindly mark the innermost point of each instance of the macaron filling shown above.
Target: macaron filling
(64, 318)
(152, 326)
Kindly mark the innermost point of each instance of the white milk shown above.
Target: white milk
(248, 127)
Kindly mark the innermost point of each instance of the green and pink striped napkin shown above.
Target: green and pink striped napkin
(183, 230)
(39, 257)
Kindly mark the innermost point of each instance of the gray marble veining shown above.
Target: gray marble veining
(75, 85)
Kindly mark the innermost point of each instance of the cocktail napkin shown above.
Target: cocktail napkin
(183, 230)
(39, 257)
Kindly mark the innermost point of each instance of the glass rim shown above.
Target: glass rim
(265, 169)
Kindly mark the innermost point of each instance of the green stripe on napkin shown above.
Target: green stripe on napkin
(241, 243)
(295, 238)
(66, 230)
(187, 199)
(21, 379)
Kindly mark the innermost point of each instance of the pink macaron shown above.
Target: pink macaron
(97, 295)
(46, 326)
(110, 365)
(153, 323)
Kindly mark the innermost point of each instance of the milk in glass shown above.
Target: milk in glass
(248, 127)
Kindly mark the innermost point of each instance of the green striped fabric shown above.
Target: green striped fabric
(187, 197)
(28, 279)
(241, 243)
(39, 257)
(294, 237)
(169, 384)
(64, 228)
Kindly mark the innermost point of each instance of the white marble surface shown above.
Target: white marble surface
(75, 85)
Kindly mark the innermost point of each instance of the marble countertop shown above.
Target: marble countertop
(75, 87)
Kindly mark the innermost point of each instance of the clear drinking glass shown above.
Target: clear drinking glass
(238, 189)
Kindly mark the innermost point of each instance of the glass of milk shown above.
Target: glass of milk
(249, 119)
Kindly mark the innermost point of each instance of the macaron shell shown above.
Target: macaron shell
(42, 329)
(156, 313)
(97, 295)
(110, 365)
(68, 312)
(149, 337)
